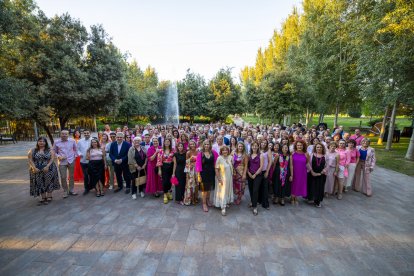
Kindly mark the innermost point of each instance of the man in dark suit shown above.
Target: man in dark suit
(118, 153)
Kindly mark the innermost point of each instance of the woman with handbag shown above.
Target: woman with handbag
(44, 177)
(137, 162)
(178, 173)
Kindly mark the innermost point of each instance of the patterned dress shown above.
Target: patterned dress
(42, 182)
(238, 183)
(191, 182)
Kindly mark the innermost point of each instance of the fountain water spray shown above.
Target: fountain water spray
(172, 112)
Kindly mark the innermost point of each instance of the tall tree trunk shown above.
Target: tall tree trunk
(336, 115)
(95, 128)
(311, 118)
(392, 126)
(36, 133)
(384, 122)
(284, 120)
(321, 116)
(47, 130)
(307, 117)
(62, 122)
(410, 151)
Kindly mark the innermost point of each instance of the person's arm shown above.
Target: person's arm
(246, 162)
(357, 156)
(78, 149)
(111, 151)
(145, 164)
(291, 168)
(217, 168)
(337, 165)
(373, 159)
(174, 166)
(348, 158)
(259, 171)
(52, 159)
(31, 163)
(269, 163)
(104, 157)
(88, 154)
(125, 157)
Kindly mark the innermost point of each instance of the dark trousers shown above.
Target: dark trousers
(167, 170)
(254, 187)
(85, 176)
(134, 187)
(264, 192)
(122, 170)
(318, 190)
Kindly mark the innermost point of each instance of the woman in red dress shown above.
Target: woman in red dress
(78, 174)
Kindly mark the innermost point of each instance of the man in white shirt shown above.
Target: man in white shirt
(83, 145)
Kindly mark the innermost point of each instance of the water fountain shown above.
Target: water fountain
(172, 112)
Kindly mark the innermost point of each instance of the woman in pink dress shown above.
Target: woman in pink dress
(154, 184)
(354, 159)
(332, 167)
(343, 162)
(299, 172)
(77, 174)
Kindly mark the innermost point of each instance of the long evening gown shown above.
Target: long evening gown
(300, 175)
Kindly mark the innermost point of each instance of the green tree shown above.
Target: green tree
(225, 95)
(192, 95)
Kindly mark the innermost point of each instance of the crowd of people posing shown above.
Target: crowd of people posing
(212, 162)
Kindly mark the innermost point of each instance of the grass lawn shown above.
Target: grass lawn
(392, 159)
(345, 121)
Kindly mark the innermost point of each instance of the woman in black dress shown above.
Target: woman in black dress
(206, 173)
(178, 171)
(318, 172)
(281, 183)
(43, 171)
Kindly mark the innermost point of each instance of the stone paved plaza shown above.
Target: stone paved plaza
(115, 235)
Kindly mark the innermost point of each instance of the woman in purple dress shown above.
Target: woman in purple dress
(298, 170)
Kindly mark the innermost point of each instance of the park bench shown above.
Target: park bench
(8, 138)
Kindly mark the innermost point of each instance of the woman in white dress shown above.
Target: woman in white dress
(223, 194)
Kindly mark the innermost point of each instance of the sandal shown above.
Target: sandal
(255, 211)
(205, 208)
(42, 202)
(49, 198)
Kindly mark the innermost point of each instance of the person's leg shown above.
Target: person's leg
(256, 189)
(71, 169)
(63, 178)
(341, 182)
(111, 173)
(250, 184)
(357, 183)
(118, 173)
(127, 177)
(133, 180)
(85, 177)
(265, 192)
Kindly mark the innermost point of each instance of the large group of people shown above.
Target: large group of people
(212, 162)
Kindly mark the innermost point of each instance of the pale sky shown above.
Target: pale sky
(174, 35)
